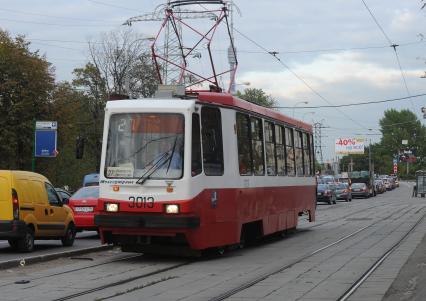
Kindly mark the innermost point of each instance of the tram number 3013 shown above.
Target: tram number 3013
(141, 202)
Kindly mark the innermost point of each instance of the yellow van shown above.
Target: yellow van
(31, 209)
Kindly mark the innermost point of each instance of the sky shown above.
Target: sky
(331, 52)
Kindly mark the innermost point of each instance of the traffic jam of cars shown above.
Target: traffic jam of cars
(349, 186)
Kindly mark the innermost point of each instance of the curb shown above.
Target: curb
(47, 257)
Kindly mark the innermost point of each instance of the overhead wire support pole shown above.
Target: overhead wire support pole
(173, 61)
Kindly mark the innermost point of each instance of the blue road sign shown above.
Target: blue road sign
(45, 143)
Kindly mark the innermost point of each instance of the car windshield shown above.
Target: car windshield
(358, 185)
(322, 186)
(139, 142)
(342, 186)
(86, 192)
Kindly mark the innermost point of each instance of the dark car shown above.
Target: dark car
(64, 194)
(326, 193)
(360, 190)
(343, 192)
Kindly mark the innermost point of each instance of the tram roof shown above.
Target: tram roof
(220, 99)
(227, 100)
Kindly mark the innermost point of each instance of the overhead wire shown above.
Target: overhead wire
(353, 104)
(49, 16)
(54, 24)
(259, 52)
(377, 23)
(62, 47)
(391, 44)
(112, 5)
(275, 55)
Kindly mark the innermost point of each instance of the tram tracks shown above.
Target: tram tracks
(344, 217)
(379, 261)
(229, 293)
(120, 282)
(258, 279)
(75, 269)
(102, 287)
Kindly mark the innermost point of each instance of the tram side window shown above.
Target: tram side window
(290, 162)
(306, 154)
(196, 164)
(244, 148)
(212, 141)
(257, 146)
(280, 150)
(270, 149)
(298, 153)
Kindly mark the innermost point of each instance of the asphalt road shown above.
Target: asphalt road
(43, 247)
(319, 261)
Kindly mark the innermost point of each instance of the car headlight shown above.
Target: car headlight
(111, 207)
(172, 209)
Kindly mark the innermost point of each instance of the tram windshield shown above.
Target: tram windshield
(145, 144)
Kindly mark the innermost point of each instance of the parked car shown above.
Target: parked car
(388, 185)
(30, 209)
(325, 193)
(379, 186)
(397, 182)
(84, 204)
(343, 192)
(91, 179)
(360, 190)
(64, 194)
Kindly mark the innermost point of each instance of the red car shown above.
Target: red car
(84, 204)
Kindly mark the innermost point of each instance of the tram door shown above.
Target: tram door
(211, 136)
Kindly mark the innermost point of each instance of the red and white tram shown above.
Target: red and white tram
(201, 172)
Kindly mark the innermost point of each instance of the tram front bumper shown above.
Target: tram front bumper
(146, 221)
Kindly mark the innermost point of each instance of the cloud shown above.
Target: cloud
(404, 20)
(327, 72)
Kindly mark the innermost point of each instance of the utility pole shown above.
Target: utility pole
(318, 142)
(174, 53)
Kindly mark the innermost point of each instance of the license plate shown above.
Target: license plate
(83, 209)
(357, 189)
(319, 193)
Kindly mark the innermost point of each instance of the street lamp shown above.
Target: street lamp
(298, 103)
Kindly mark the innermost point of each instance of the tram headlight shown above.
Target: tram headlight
(111, 207)
(172, 208)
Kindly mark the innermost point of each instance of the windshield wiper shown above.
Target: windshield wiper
(173, 153)
(160, 162)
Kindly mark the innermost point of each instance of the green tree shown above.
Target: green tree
(70, 109)
(402, 125)
(257, 96)
(26, 84)
(94, 89)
